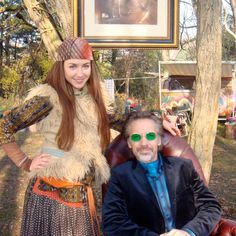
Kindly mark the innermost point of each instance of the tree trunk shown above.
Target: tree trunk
(7, 51)
(208, 82)
(49, 34)
(129, 62)
(1, 48)
(114, 54)
(65, 17)
(233, 5)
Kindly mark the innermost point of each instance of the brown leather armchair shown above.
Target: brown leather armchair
(118, 152)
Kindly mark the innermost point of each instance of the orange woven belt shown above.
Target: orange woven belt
(60, 183)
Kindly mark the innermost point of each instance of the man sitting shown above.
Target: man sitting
(152, 195)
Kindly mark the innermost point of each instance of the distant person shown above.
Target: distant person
(127, 106)
(152, 195)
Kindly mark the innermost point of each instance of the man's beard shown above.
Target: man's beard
(145, 157)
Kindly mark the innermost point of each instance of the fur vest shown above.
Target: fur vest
(86, 150)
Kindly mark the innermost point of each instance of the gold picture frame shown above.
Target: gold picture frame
(127, 23)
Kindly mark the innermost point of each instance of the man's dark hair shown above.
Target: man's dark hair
(133, 116)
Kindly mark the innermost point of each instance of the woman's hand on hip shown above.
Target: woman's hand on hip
(40, 161)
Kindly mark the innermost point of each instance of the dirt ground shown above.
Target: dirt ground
(13, 181)
(223, 177)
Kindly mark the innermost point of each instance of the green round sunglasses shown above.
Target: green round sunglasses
(149, 136)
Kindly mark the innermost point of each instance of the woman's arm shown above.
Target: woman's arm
(167, 125)
(31, 112)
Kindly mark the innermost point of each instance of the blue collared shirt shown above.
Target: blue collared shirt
(156, 177)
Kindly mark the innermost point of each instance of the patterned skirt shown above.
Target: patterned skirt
(46, 214)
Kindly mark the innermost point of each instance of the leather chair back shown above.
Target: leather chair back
(118, 151)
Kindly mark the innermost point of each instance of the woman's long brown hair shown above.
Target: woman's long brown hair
(66, 133)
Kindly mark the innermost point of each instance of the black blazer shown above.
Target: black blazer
(130, 206)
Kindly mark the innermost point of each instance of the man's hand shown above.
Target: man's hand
(176, 232)
(171, 128)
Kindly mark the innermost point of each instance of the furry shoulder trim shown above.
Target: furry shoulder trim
(43, 90)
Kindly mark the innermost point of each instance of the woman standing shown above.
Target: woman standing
(70, 110)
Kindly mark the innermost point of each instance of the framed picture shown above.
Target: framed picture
(127, 23)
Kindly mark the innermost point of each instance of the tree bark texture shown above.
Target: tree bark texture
(208, 82)
(64, 13)
(47, 30)
(233, 5)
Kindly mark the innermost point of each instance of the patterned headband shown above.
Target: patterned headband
(75, 48)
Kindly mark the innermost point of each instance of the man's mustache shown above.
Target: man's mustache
(144, 149)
